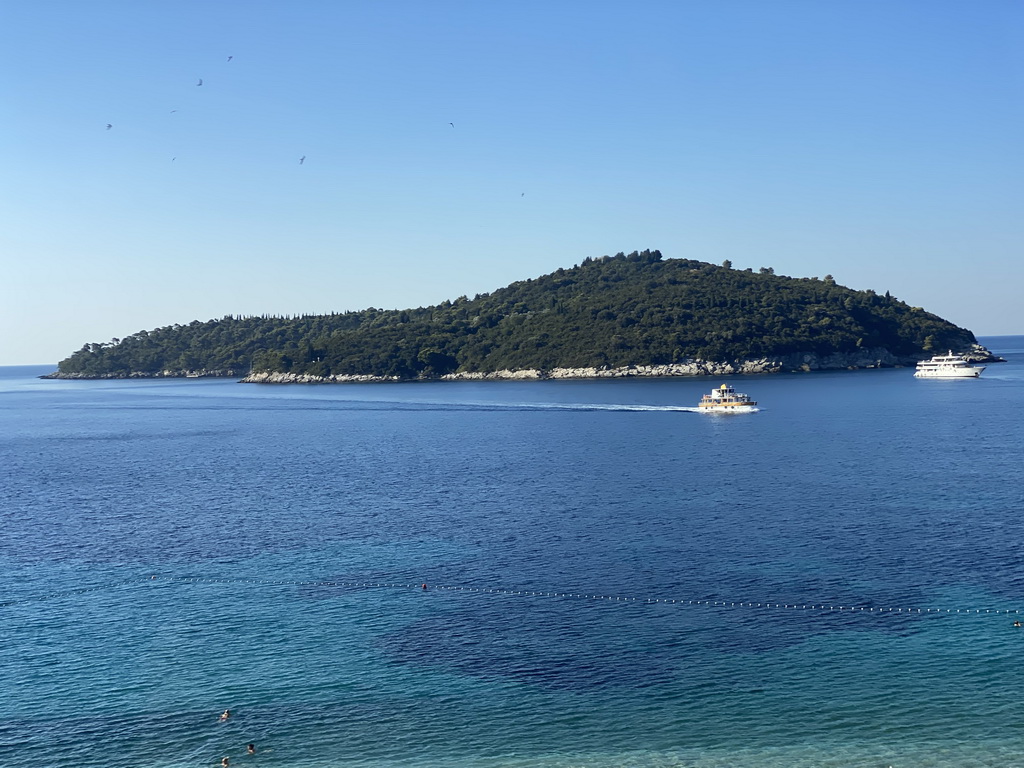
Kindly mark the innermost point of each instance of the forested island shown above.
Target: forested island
(635, 314)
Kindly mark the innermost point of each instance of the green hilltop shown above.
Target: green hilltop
(613, 311)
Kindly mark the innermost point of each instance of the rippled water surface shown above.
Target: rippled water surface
(611, 581)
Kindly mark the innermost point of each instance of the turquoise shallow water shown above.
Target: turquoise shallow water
(590, 555)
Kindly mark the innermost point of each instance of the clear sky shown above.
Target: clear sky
(454, 146)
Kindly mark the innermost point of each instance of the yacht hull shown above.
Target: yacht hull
(958, 373)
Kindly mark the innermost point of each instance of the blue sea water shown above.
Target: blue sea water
(611, 581)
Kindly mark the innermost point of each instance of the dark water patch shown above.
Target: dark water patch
(552, 643)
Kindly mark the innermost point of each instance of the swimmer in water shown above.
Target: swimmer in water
(251, 749)
(226, 714)
(225, 762)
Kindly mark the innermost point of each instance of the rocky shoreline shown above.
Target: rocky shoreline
(227, 373)
(876, 358)
(859, 360)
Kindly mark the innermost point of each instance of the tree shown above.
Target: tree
(437, 363)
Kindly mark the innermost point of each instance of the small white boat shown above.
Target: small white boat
(948, 366)
(725, 399)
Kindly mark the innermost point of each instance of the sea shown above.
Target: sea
(556, 574)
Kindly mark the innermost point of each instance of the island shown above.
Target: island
(623, 315)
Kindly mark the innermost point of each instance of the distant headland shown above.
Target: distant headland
(614, 316)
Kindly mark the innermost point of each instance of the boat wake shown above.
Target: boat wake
(611, 407)
(335, 404)
(520, 407)
(628, 408)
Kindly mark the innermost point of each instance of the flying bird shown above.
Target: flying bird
(109, 126)
(302, 160)
(230, 58)
(452, 124)
(200, 82)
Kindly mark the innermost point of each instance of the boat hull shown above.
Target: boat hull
(954, 373)
(728, 409)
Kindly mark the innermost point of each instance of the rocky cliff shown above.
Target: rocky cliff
(862, 359)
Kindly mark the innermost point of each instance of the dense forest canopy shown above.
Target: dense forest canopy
(614, 311)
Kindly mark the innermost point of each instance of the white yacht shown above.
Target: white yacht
(725, 399)
(948, 366)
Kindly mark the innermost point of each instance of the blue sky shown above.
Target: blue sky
(875, 140)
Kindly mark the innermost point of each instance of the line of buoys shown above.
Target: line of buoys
(821, 607)
(737, 604)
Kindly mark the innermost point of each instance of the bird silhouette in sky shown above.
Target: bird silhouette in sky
(230, 58)
(302, 160)
(200, 82)
(452, 124)
(109, 126)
